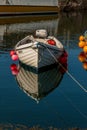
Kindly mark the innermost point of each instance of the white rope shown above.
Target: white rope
(70, 75)
(76, 81)
(74, 106)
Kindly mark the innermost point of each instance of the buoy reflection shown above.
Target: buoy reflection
(82, 57)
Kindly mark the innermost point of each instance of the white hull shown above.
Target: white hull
(37, 51)
(38, 57)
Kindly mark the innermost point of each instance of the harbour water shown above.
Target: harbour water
(65, 105)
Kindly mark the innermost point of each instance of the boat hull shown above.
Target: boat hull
(36, 85)
(39, 57)
(26, 9)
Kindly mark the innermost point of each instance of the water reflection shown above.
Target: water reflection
(67, 29)
(83, 58)
(64, 25)
(10, 126)
(12, 29)
(83, 54)
(38, 84)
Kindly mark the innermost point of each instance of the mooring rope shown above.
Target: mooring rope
(73, 78)
(58, 115)
(70, 75)
(73, 105)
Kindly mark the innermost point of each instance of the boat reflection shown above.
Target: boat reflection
(83, 58)
(38, 84)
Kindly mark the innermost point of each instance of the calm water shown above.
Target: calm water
(66, 105)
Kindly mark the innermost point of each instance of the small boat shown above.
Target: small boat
(22, 10)
(39, 50)
(18, 7)
(35, 84)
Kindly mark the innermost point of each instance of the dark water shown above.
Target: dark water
(65, 106)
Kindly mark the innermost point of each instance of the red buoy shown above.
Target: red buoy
(51, 42)
(63, 60)
(15, 72)
(65, 54)
(12, 52)
(14, 69)
(13, 66)
(14, 57)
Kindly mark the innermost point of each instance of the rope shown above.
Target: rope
(74, 106)
(60, 117)
(73, 78)
(70, 75)
(68, 99)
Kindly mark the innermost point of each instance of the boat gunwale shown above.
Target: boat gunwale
(42, 44)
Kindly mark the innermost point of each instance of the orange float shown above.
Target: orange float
(81, 38)
(81, 44)
(85, 49)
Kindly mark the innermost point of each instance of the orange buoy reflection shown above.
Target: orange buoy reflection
(85, 65)
(82, 57)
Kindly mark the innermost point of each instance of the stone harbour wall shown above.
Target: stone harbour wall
(68, 5)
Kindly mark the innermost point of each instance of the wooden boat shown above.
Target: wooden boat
(37, 85)
(39, 50)
(18, 10)
(17, 7)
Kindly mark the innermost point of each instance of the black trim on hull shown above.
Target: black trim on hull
(26, 13)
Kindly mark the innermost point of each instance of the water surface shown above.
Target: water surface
(65, 106)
